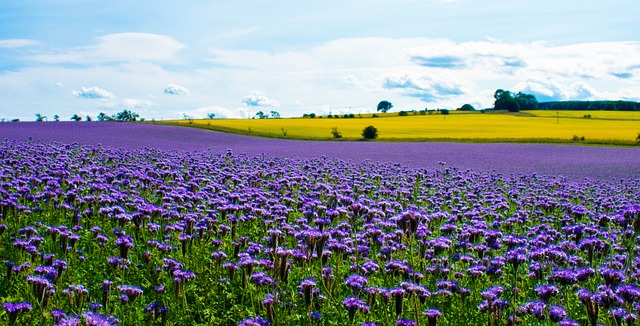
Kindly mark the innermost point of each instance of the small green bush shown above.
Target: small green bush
(370, 132)
(336, 133)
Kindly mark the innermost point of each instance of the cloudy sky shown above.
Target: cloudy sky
(165, 59)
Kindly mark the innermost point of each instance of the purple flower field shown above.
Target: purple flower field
(574, 162)
(126, 224)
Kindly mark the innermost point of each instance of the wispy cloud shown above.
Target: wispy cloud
(122, 47)
(173, 89)
(17, 43)
(425, 88)
(219, 112)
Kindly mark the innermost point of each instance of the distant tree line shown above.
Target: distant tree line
(590, 106)
(124, 115)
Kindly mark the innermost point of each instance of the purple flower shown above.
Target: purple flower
(557, 313)
(314, 315)
(129, 292)
(15, 309)
(432, 315)
(405, 322)
(94, 319)
(356, 282)
(564, 277)
(254, 321)
(546, 291)
(353, 304)
(306, 288)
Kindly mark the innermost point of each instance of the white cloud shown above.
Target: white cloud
(426, 88)
(132, 103)
(17, 43)
(219, 111)
(546, 90)
(92, 93)
(122, 47)
(340, 74)
(173, 89)
(258, 100)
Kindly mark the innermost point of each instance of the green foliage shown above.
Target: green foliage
(40, 117)
(101, 117)
(444, 111)
(403, 113)
(590, 105)
(370, 132)
(211, 116)
(384, 106)
(126, 115)
(526, 101)
(467, 107)
(336, 134)
(505, 100)
(76, 117)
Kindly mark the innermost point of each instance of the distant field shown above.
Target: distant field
(621, 128)
(612, 115)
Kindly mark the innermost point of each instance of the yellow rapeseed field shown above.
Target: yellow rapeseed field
(534, 126)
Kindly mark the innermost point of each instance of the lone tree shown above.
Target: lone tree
(384, 106)
(370, 132)
(76, 118)
(467, 107)
(40, 117)
(103, 117)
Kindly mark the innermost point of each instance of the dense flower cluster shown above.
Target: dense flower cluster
(107, 236)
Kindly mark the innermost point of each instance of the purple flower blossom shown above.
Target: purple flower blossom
(254, 321)
(432, 315)
(353, 304)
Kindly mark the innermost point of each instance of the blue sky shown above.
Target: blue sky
(165, 59)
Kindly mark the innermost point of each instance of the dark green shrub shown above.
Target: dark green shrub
(370, 132)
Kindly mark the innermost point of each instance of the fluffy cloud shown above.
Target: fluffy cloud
(132, 103)
(92, 93)
(258, 100)
(546, 90)
(17, 43)
(122, 47)
(219, 111)
(426, 89)
(173, 89)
